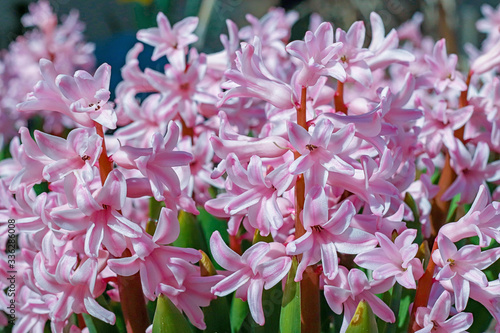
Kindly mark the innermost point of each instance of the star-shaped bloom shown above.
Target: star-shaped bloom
(156, 163)
(440, 122)
(98, 216)
(472, 169)
(318, 54)
(353, 56)
(263, 265)
(394, 259)
(462, 267)
(325, 236)
(75, 284)
(79, 151)
(168, 270)
(442, 72)
(319, 151)
(350, 287)
(170, 41)
(254, 192)
(385, 48)
(31, 159)
(482, 220)
(83, 97)
(436, 319)
(251, 78)
(180, 88)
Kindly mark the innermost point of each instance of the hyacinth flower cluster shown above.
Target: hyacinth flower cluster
(345, 171)
(63, 44)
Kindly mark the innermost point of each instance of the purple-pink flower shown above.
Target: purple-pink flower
(394, 259)
(261, 266)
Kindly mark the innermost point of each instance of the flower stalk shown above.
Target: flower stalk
(423, 290)
(339, 98)
(130, 288)
(309, 286)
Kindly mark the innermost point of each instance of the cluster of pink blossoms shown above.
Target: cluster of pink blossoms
(63, 44)
(359, 129)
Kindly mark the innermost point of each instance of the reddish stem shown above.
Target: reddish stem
(132, 301)
(438, 217)
(338, 98)
(309, 286)
(462, 101)
(235, 244)
(81, 321)
(130, 287)
(440, 208)
(105, 166)
(423, 291)
(187, 131)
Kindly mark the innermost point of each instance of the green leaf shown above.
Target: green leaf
(116, 308)
(393, 299)
(43, 187)
(239, 311)
(271, 304)
(363, 320)
(453, 207)
(209, 224)
(168, 319)
(154, 214)
(191, 235)
(217, 316)
(96, 326)
(290, 306)
(257, 237)
(403, 319)
(482, 318)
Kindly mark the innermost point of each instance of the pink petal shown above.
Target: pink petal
(329, 260)
(168, 228)
(274, 271)
(98, 311)
(255, 301)
(231, 283)
(125, 266)
(299, 137)
(223, 255)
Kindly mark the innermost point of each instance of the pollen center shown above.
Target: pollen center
(311, 147)
(317, 228)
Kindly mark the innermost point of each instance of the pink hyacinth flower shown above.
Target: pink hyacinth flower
(98, 215)
(482, 220)
(251, 78)
(82, 97)
(75, 286)
(156, 163)
(442, 72)
(170, 41)
(436, 318)
(261, 266)
(319, 151)
(318, 54)
(325, 236)
(472, 169)
(353, 56)
(351, 287)
(79, 152)
(462, 267)
(394, 259)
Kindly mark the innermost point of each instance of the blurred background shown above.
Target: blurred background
(111, 24)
